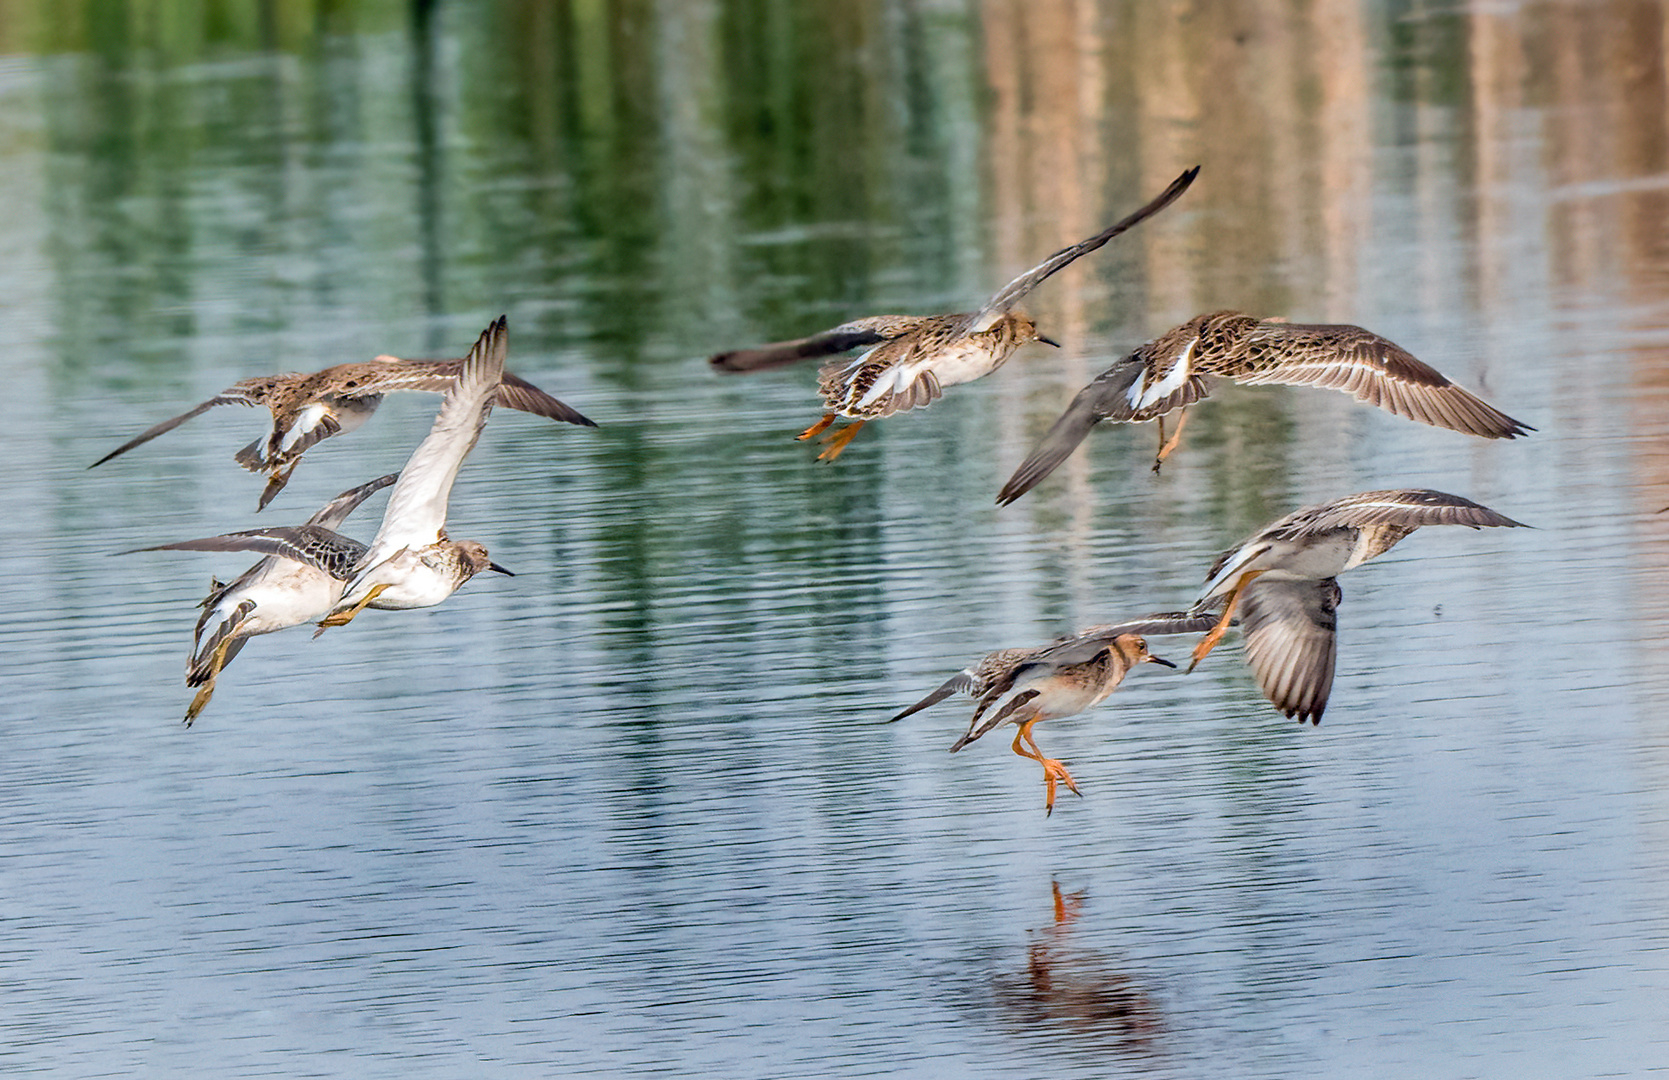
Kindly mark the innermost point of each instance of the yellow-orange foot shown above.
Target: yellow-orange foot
(343, 618)
(817, 428)
(1168, 445)
(1209, 642)
(837, 442)
(1053, 771)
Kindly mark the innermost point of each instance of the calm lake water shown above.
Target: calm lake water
(635, 810)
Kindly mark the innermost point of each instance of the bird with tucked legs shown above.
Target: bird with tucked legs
(909, 360)
(276, 593)
(309, 408)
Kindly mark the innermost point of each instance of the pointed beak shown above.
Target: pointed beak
(497, 569)
(1049, 341)
(1160, 660)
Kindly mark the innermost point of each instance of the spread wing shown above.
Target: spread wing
(858, 333)
(1376, 371)
(313, 545)
(333, 513)
(234, 396)
(1291, 630)
(1089, 407)
(960, 683)
(1407, 507)
(416, 513)
(394, 374)
(1015, 291)
(1087, 644)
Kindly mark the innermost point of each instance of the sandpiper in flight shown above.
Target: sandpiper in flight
(275, 593)
(1024, 686)
(1177, 369)
(307, 409)
(1283, 581)
(910, 359)
(411, 563)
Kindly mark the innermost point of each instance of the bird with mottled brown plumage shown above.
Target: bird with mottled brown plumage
(910, 359)
(309, 408)
(1178, 368)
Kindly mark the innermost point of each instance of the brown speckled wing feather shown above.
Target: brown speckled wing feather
(1372, 369)
(391, 374)
(329, 551)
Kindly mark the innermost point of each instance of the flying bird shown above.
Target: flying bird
(307, 409)
(1178, 368)
(910, 359)
(1283, 580)
(1025, 686)
(274, 594)
(411, 563)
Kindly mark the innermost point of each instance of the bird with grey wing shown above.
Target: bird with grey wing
(910, 359)
(411, 563)
(307, 409)
(1066, 677)
(1283, 581)
(299, 581)
(1179, 367)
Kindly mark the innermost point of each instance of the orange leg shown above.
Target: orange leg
(343, 618)
(1052, 769)
(1209, 642)
(837, 442)
(817, 428)
(1167, 445)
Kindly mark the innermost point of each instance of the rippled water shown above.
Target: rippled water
(636, 810)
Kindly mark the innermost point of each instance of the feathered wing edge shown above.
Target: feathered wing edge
(1398, 506)
(1379, 372)
(960, 683)
(1015, 291)
(1291, 634)
(321, 548)
(170, 424)
(852, 335)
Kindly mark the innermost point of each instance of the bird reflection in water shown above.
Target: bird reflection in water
(1068, 990)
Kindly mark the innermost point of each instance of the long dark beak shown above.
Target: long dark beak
(1049, 341)
(1160, 660)
(509, 573)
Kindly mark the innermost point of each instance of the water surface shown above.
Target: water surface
(635, 810)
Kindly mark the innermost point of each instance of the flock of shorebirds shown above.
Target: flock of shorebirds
(1280, 583)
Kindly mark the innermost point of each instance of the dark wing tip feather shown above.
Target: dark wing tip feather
(519, 394)
(166, 426)
(1062, 438)
(959, 683)
(1290, 629)
(777, 354)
